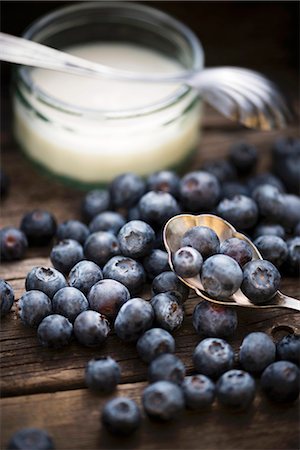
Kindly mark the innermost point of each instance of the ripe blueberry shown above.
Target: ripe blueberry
(121, 416)
(102, 374)
(66, 254)
(212, 357)
(54, 331)
(69, 302)
(13, 244)
(91, 328)
(211, 320)
(7, 297)
(153, 343)
(34, 306)
(84, 275)
(107, 297)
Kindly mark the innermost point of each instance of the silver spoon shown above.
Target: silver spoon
(240, 94)
(175, 229)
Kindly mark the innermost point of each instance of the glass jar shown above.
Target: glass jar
(88, 146)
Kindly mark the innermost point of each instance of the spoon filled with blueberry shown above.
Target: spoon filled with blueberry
(222, 265)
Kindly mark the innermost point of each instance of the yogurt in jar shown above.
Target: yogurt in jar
(118, 126)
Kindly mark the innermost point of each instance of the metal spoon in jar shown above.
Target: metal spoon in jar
(173, 233)
(242, 95)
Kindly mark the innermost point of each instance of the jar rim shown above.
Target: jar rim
(198, 56)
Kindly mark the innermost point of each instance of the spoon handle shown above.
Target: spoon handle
(287, 302)
(23, 51)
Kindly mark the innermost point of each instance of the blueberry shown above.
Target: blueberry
(166, 367)
(286, 162)
(73, 229)
(136, 239)
(244, 157)
(238, 249)
(107, 297)
(39, 227)
(261, 281)
(288, 348)
(94, 203)
(203, 239)
(156, 263)
(126, 190)
(4, 184)
(163, 400)
(222, 169)
(169, 282)
(54, 331)
(240, 211)
(91, 328)
(127, 271)
(133, 319)
(102, 374)
(269, 229)
(199, 392)
(221, 276)
(13, 244)
(280, 381)
(270, 202)
(265, 178)
(7, 298)
(166, 181)
(107, 221)
(45, 279)
(284, 147)
(121, 416)
(34, 306)
(229, 189)
(168, 312)
(69, 302)
(31, 439)
(212, 357)
(272, 248)
(297, 229)
(293, 258)
(291, 211)
(236, 389)
(134, 213)
(257, 352)
(211, 320)
(100, 247)
(66, 254)
(157, 207)
(199, 191)
(153, 343)
(84, 275)
(187, 262)
(159, 239)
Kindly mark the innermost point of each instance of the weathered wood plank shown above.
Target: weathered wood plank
(73, 419)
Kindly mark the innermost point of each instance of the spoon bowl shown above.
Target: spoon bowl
(173, 233)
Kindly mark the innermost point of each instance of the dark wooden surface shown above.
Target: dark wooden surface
(45, 388)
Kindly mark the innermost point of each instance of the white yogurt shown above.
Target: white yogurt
(93, 149)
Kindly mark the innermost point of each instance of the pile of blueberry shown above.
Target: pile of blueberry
(227, 267)
(101, 265)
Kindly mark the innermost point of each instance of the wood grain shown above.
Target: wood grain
(73, 419)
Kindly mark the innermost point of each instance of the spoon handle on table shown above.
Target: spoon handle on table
(287, 302)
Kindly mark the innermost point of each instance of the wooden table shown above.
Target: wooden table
(45, 388)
